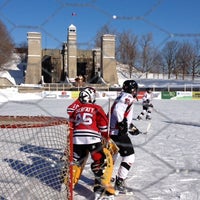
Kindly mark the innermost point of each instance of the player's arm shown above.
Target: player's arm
(123, 109)
(133, 130)
(102, 122)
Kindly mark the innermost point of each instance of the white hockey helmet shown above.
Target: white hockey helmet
(87, 95)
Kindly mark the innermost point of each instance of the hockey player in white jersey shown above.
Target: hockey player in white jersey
(120, 121)
(146, 105)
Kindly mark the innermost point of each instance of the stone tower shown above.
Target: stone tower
(65, 58)
(34, 69)
(97, 61)
(71, 52)
(108, 62)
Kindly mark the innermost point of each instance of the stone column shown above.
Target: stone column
(72, 52)
(65, 58)
(97, 61)
(108, 62)
(34, 69)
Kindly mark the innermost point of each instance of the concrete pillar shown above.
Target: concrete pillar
(34, 69)
(108, 62)
(97, 61)
(65, 58)
(72, 52)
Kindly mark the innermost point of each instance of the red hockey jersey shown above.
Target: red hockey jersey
(90, 123)
(71, 108)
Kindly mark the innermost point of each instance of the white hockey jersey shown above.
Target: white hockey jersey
(147, 98)
(121, 108)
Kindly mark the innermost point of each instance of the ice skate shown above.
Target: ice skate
(119, 185)
(121, 188)
(98, 190)
(107, 197)
(138, 118)
(148, 117)
(97, 196)
(103, 196)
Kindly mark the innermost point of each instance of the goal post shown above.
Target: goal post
(30, 151)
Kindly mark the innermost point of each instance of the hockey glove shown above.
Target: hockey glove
(133, 130)
(123, 127)
(151, 105)
(110, 145)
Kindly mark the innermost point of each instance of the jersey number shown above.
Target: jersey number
(84, 118)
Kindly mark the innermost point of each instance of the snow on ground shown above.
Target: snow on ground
(167, 165)
(167, 158)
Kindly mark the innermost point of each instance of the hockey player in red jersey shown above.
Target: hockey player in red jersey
(90, 125)
(77, 169)
(120, 124)
(146, 105)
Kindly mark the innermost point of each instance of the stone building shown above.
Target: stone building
(65, 65)
(52, 68)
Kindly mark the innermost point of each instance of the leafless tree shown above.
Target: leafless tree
(184, 58)
(195, 62)
(147, 53)
(6, 47)
(22, 50)
(169, 53)
(157, 62)
(127, 51)
(105, 29)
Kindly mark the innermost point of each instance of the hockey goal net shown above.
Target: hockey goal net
(30, 151)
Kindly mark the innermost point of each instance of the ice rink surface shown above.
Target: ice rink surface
(167, 164)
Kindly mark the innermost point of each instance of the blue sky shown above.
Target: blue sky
(165, 19)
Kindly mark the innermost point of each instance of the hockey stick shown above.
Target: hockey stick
(113, 147)
(136, 131)
(147, 130)
(109, 113)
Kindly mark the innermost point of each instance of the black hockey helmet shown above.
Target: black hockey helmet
(130, 86)
(149, 90)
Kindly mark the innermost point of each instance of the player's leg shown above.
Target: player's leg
(148, 116)
(141, 115)
(80, 156)
(127, 153)
(113, 149)
(124, 168)
(102, 168)
(107, 172)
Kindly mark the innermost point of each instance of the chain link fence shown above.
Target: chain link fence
(167, 132)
